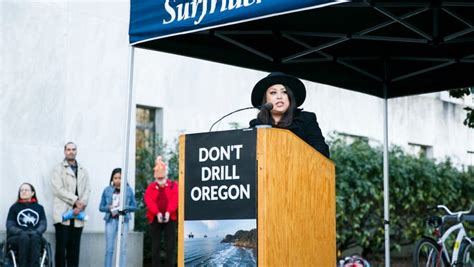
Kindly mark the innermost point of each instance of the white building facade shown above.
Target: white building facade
(64, 77)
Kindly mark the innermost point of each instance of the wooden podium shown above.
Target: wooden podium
(295, 201)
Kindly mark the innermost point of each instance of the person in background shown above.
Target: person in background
(161, 200)
(71, 190)
(109, 204)
(26, 223)
(286, 93)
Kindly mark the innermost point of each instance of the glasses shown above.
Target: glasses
(25, 190)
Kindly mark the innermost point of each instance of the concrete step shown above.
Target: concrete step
(93, 248)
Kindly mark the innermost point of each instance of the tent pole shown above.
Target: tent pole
(386, 196)
(126, 157)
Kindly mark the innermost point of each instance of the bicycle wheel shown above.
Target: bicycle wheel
(426, 254)
(467, 255)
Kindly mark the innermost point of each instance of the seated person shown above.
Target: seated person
(26, 223)
(286, 93)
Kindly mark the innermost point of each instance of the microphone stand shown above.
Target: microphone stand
(210, 129)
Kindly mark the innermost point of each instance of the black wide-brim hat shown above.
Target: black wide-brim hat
(296, 86)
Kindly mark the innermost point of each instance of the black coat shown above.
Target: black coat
(306, 127)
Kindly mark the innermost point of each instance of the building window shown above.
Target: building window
(470, 158)
(420, 150)
(148, 126)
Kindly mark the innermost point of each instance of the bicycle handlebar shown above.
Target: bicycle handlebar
(459, 216)
(468, 218)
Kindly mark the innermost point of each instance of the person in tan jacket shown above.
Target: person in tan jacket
(71, 189)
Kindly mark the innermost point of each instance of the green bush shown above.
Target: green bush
(415, 183)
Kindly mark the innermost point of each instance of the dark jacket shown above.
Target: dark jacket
(26, 217)
(306, 127)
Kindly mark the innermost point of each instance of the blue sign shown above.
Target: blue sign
(153, 19)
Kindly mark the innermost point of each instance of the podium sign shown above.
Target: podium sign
(220, 195)
(220, 178)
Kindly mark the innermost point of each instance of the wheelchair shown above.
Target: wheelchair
(9, 256)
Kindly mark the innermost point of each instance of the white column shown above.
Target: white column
(126, 157)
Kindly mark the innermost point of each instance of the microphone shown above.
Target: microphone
(267, 106)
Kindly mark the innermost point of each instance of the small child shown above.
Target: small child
(68, 215)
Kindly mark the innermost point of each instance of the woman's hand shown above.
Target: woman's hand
(167, 217)
(159, 216)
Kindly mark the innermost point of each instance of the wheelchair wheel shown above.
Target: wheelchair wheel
(5, 256)
(2, 254)
(10, 259)
(46, 256)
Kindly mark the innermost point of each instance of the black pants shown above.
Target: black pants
(169, 230)
(28, 245)
(68, 244)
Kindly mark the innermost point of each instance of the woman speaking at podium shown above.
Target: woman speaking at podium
(286, 93)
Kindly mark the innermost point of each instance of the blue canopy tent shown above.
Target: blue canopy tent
(385, 48)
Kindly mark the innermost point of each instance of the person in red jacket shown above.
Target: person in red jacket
(161, 200)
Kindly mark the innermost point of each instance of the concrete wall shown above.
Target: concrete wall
(64, 68)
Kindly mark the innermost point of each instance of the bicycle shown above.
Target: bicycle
(434, 252)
